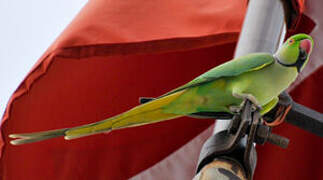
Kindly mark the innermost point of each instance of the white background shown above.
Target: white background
(27, 28)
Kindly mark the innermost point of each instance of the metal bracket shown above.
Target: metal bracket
(299, 115)
(238, 141)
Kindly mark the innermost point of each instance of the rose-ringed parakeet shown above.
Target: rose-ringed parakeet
(258, 77)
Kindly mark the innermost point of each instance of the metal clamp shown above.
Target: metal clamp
(238, 141)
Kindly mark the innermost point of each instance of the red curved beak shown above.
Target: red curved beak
(306, 44)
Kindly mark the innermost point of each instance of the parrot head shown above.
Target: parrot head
(295, 51)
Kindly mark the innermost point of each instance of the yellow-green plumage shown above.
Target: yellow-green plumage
(260, 77)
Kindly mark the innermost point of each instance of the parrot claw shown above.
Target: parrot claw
(255, 107)
(238, 109)
(255, 104)
(235, 109)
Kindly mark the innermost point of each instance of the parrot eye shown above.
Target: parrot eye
(291, 41)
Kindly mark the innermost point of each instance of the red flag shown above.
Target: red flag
(110, 55)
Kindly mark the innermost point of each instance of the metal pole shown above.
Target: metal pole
(263, 31)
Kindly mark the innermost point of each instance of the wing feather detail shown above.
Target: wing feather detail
(251, 62)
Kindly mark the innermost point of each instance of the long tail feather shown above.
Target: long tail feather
(147, 113)
(35, 137)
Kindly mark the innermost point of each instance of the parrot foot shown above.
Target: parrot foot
(255, 104)
(235, 109)
(238, 109)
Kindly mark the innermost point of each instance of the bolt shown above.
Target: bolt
(278, 140)
(264, 135)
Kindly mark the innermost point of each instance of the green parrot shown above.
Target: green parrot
(258, 77)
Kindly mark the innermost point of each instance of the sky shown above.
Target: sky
(27, 29)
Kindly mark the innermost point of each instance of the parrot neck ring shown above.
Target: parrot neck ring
(299, 63)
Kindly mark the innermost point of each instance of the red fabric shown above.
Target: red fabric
(301, 4)
(110, 55)
(296, 9)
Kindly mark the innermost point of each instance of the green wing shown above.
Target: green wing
(234, 67)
